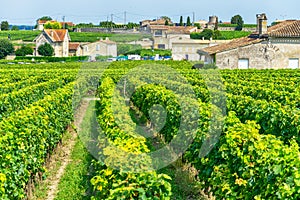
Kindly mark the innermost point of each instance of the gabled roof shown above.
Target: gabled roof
(240, 42)
(73, 46)
(284, 29)
(175, 29)
(56, 35)
(288, 28)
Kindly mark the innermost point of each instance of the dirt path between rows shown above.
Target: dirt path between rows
(63, 154)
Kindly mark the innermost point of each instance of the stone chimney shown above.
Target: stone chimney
(262, 24)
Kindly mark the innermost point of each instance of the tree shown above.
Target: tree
(237, 19)
(188, 21)
(6, 48)
(4, 26)
(52, 25)
(181, 21)
(24, 50)
(46, 18)
(167, 19)
(14, 28)
(46, 50)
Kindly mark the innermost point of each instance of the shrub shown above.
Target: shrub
(46, 50)
(24, 50)
(6, 48)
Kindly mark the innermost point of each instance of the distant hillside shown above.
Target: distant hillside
(22, 27)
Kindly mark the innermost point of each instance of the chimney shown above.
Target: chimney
(262, 24)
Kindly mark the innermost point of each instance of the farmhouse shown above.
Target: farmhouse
(275, 47)
(100, 48)
(58, 39)
(163, 36)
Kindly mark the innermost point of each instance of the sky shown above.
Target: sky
(26, 12)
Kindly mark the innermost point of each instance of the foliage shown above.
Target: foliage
(27, 36)
(51, 59)
(24, 50)
(206, 34)
(52, 25)
(181, 21)
(124, 49)
(111, 183)
(4, 26)
(14, 28)
(106, 24)
(46, 50)
(46, 18)
(238, 20)
(220, 35)
(188, 21)
(150, 52)
(6, 48)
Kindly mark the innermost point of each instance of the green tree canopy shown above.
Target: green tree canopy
(53, 25)
(4, 26)
(24, 50)
(47, 18)
(6, 48)
(237, 19)
(46, 50)
(14, 28)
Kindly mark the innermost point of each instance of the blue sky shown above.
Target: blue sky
(26, 12)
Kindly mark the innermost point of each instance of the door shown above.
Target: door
(243, 64)
(293, 63)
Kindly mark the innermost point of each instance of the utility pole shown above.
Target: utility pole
(193, 19)
(64, 25)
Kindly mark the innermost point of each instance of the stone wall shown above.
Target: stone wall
(263, 55)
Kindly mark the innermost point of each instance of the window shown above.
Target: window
(243, 63)
(98, 47)
(161, 46)
(293, 63)
(158, 33)
(86, 48)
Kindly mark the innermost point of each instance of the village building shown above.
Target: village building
(58, 38)
(163, 36)
(100, 48)
(275, 47)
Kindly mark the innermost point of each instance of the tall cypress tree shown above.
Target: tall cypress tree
(181, 21)
(188, 21)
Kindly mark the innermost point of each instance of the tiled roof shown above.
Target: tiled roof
(240, 42)
(67, 23)
(56, 35)
(288, 28)
(74, 46)
(42, 21)
(175, 29)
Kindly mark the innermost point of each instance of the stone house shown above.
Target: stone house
(163, 36)
(275, 47)
(187, 49)
(58, 39)
(75, 49)
(99, 48)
